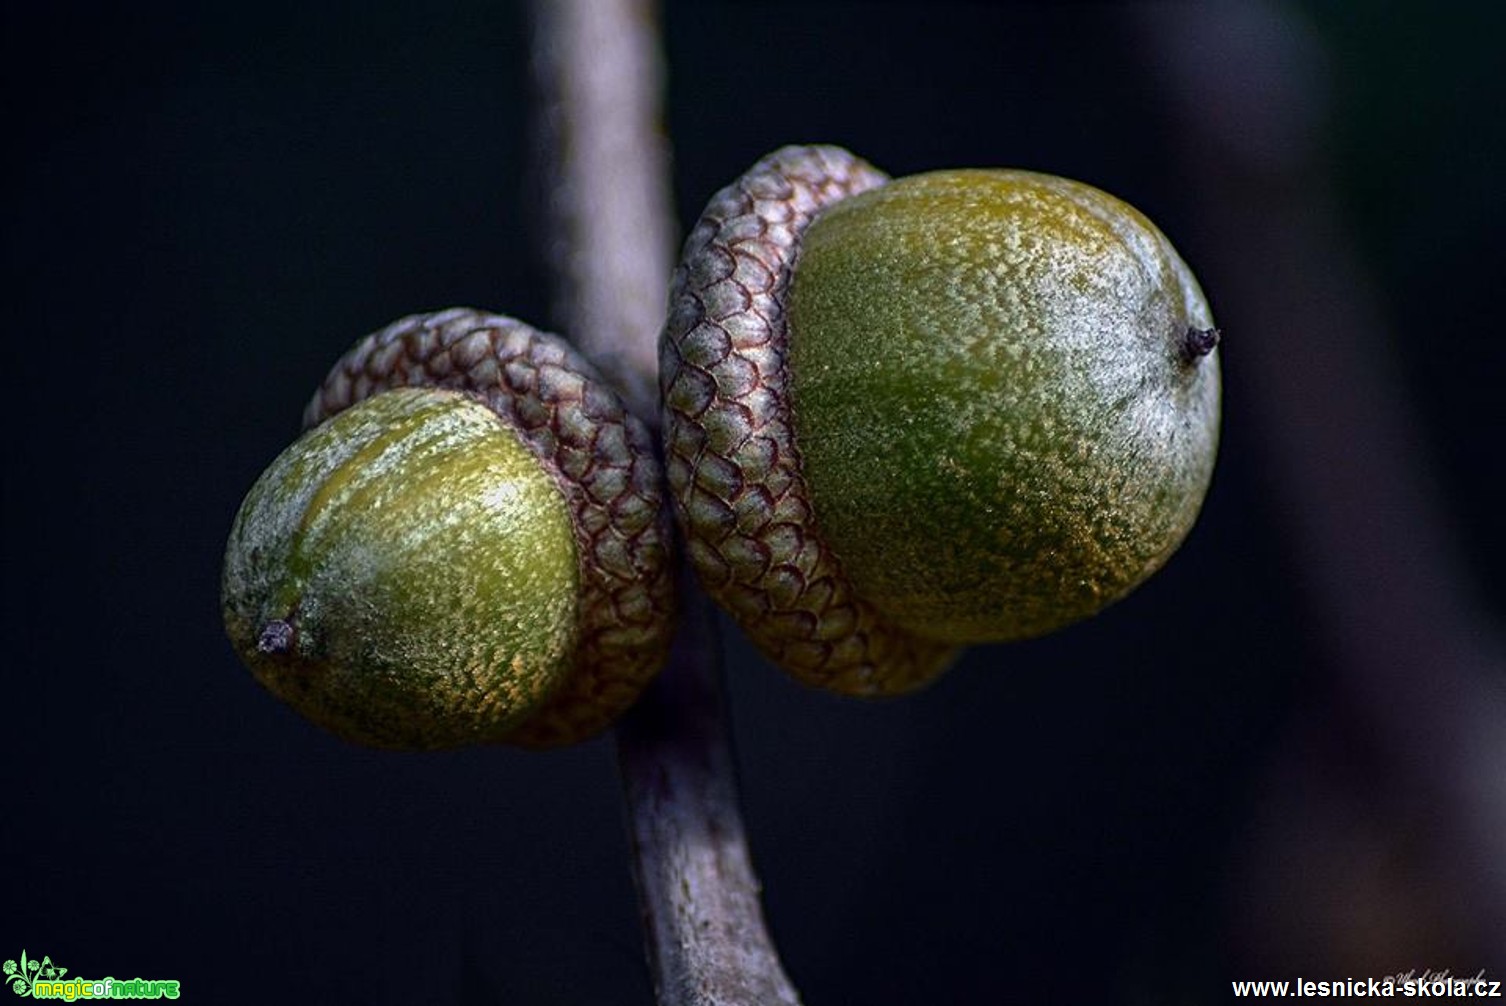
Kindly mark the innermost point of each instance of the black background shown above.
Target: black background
(207, 204)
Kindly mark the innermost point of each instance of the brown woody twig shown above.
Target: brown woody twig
(599, 73)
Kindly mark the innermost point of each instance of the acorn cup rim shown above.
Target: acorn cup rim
(731, 458)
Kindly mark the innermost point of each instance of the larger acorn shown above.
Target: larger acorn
(906, 416)
(467, 546)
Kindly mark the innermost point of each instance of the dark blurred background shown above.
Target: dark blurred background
(1284, 756)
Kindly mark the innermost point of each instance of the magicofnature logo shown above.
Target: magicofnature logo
(21, 979)
(42, 979)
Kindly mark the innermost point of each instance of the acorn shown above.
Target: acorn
(902, 417)
(468, 545)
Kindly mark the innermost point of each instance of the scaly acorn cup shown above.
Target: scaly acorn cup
(905, 416)
(466, 546)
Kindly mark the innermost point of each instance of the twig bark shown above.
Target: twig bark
(610, 238)
(599, 73)
(707, 942)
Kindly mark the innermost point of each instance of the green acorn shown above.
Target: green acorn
(905, 416)
(466, 547)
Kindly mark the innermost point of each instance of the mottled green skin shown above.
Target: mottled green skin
(1000, 428)
(426, 562)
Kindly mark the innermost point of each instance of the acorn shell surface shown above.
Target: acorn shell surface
(1001, 426)
(352, 590)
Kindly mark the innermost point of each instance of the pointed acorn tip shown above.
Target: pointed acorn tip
(276, 637)
(1199, 342)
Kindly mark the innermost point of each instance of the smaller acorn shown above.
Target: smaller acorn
(905, 416)
(468, 545)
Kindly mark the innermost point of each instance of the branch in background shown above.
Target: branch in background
(599, 73)
(609, 229)
(1416, 658)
